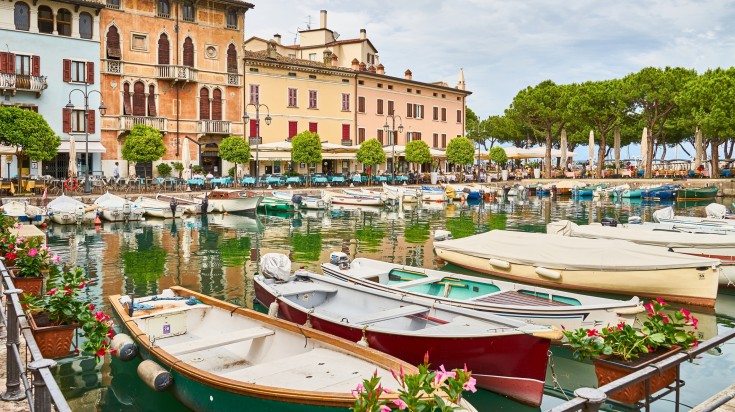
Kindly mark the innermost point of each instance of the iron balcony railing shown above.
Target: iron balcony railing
(127, 122)
(26, 82)
(174, 72)
(215, 127)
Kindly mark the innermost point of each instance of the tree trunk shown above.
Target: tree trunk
(601, 154)
(547, 156)
(715, 159)
(728, 152)
(648, 161)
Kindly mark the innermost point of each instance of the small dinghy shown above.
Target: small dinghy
(24, 212)
(233, 358)
(191, 206)
(234, 201)
(114, 208)
(354, 198)
(65, 210)
(302, 201)
(160, 209)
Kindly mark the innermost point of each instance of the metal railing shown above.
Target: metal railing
(590, 399)
(114, 66)
(23, 82)
(127, 122)
(44, 390)
(215, 127)
(170, 71)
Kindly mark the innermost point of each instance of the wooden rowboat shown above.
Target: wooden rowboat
(530, 304)
(227, 357)
(702, 193)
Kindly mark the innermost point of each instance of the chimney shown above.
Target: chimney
(363, 34)
(371, 69)
(272, 54)
(363, 66)
(277, 38)
(327, 57)
(355, 65)
(335, 60)
(323, 19)
(409, 75)
(381, 69)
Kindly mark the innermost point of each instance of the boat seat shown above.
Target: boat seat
(220, 340)
(389, 314)
(298, 289)
(167, 310)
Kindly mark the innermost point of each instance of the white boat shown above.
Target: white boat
(353, 199)
(24, 212)
(711, 223)
(191, 206)
(235, 358)
(676, 239)
(302, 201)
(114, 208)
(611, 191)
(433, 194)
(234, 200)
(405, 194)
(531, 304)
(597, 265)
(160, 209)
(65, 210)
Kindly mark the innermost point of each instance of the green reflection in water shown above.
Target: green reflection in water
(306, 246)
(146, 261)
(235, 251)
(417, 232)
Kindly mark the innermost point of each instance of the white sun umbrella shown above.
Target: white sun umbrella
(186, 158)
(644, 145)
(592, 148)
(72, 158)
(698, 148)
(616, 144)
(563, 147)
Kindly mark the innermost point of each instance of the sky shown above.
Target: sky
(506, 46)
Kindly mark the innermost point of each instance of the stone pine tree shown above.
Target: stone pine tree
(235, 149)
(306, 148)
(371, 154)
(143, 144)
(29, 133)
(417, 151)
(461, 151)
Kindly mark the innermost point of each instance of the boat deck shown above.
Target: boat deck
(513, 297)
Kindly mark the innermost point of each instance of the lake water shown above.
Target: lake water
(213, 255)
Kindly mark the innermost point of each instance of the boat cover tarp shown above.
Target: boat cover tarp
(644, 235)
(276, 266)
(716, 210)
(67, 204)
(570, 253)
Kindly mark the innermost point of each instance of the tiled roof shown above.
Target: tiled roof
(263, 55)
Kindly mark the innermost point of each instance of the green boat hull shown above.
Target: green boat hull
(709, 192)
(271, 204)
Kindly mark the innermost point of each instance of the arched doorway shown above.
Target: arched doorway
(211, 162)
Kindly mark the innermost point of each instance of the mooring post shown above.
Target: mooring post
(41, 395)
(595, 398)
(12, 383)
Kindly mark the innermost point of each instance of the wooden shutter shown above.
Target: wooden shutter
(66, 120)
(163, 50)
(436, 140)
(36, 65)
(345, 132)
(459, 116)
(253, 128)
(188, 52)
(254, 94)
(139, 102)
(127, 107)
(67, 70)
(90, 121)
(113, 44)
(444, 140)
(360, 135)
(231, 59)
(313, 127)
(293, 129)
(361, 104)
(391, 108)
(380, 106)
(90, 72)
(217, 104)
(444, 114)
(380, 136)
(204, 103)
(436, 113)
(4, 62)
(151, 101)
(409, 110)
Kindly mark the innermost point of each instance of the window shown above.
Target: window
(390, 87)
(409, 90)
(63, 22)
(113, 4)
(380, 85)
(291, 74)
(45, 19)
(188, 52)
(187, 12)
(139, 41)
(312, 99)
(345, 102)
(444, 114)
(85, 25)
(435, 113)
(380, 136)
(391, 108)
(164, 56)
(163, 9)
(139, 103)
(293, 129)
(459, 115)
(292, 97)
(312, 76)
(380, 106)
(409, 110)
(231, 59)
(253, 128)
(418, 111)
(22, 16)
(436, 140)
(346, 132)
(113, 44)
(77, 121)
(255, 93)
(254, 70)
(231, 19)
(370, 58)
(151, 101)
(204, 104)
(361, 104)
(312, 57)
(418, 91)
(216, 104)
(313, 127)
(78, 72)
(127, 102)
(361, 135)
(444, 140)
(444, 96)
(22, 65)
(361, 82)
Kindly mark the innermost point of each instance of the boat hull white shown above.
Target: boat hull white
(355, 200)
(69, 218)
(122, 215)
(242, 205)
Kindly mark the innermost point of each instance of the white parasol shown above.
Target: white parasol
(563, 147)
(72, 158)
(186, 158)
(644, 146)
(698, 148)
(592, 148)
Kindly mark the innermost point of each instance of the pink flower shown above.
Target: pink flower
(470, 385)
(426, 358)
(442, 375)
(358, 390)
(400, 404)
(91, 306)
(18, 226)
(384, 408)
(694, 322)
(661, 302)
(621, 325)
(56, 259)
(52, 291)
(649, 307)
(33, 252)
(665, 318)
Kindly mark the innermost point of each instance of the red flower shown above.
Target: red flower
(665, 318)
(52, 291)
(91, 306)
(694, 322)
(661, 301)
(621, 325)
(82, 285)
(101, 352)
(685, 312)
(592, 332)
(67, 290)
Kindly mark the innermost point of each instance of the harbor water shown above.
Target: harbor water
(216, 255)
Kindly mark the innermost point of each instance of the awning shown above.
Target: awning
(7, 150)
(94, 147)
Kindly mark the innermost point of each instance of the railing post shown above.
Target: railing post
(12, 383)
(595, 398)
(41, 395)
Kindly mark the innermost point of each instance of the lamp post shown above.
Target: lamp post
(246, 120)
(392, 133)
(9, 160)
(103, 110)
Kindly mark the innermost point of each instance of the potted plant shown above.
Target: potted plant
(164, 169)
(619, 350)
(32, 262)
(55, 315)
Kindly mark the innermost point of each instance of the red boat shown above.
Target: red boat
(506, 356)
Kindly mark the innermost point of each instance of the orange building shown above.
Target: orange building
(172, 65)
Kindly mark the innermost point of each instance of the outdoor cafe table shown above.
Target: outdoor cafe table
(380, 178)
(197, 182)
(319, 179)
(273, 180)
(293, 179)
(248, 180)
(224, 181)
(337, 179)
(401, 178)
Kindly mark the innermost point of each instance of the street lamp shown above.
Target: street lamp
(103, 110)
(392, 133)
(9, 160)
(246, 120)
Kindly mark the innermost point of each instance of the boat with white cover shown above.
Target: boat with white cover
(234, 358)
(24, 212)
(676, 239)
(65, 210)
(234, 200)
(717, 218)
(597, 265)
(159, 208)
(114, 208)
(405, 194)
(302, 201)
(531, 304)
(191, 206)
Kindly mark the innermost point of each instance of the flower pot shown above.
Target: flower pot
(32, 285)
(54, 341)
(504, 175)
(537, 173)
(610, 369)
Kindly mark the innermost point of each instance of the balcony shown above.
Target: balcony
(127, 122)
(113, 67)
(176, 73)
(215, 127)
(233, 79)
(346, 142)
(14, 82)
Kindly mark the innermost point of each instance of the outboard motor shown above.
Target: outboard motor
(339, 259)
(553, 190)
(127, 211)
(297, 199)
(173, 205)
(609, 221)
(205, 205)
(506, 190)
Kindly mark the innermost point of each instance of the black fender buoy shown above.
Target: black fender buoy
(124, 347)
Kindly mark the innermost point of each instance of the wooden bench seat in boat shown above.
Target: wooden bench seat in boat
(460, 325)
(389, 314)
(196, 345)
(516, 298)
(180, 306)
